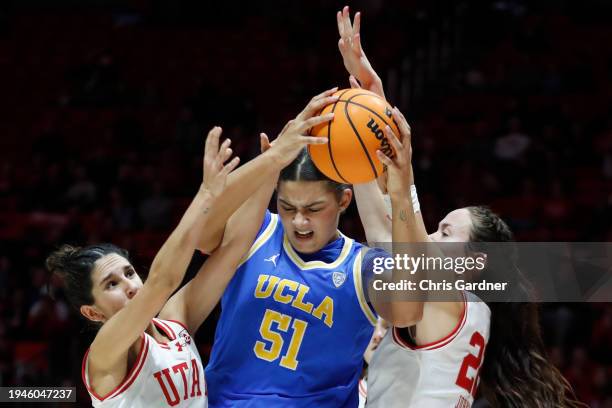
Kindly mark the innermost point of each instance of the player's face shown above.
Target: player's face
(310, 212)
(455, 227)
(115, 282)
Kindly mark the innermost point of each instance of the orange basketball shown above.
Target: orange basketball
(355, 133)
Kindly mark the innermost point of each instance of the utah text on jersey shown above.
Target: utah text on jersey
(164, 374)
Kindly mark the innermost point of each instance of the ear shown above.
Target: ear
(91, 313)
(345, 200)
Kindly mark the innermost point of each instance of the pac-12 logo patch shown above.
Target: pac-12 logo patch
(338, 278)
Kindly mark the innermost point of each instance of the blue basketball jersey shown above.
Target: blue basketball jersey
(292, 332)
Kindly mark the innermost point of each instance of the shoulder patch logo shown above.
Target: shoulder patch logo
(338, 278)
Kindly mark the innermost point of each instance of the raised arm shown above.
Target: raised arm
(291, 140)
(263, 170)
(353, 56)
(374, 210)
(406, 227)
(407, 224)
(108, 353)
(435, 319)
(193, 303)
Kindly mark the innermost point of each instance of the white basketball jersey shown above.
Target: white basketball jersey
(443, 374)
(163, 375)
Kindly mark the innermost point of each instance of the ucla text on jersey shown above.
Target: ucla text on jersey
(293, 328)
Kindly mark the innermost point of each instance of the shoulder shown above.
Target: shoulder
(266, 222)
(270, 228)
(373, 259)
(172, 328)
(102, 383)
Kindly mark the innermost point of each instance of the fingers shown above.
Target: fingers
(317, 120)
(402, 125)
(356, 23)
(226, 144)
(384, 159)
(317, 103)
(343, 46)
(346, 21)
(324, 94)
(357, 44)
(264, 142)
(229, 166)
(211, 146)
(354, 83)
(340, 24)
(223, 156)
(395, 142)
(314, 140)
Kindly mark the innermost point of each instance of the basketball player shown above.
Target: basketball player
(137, 360)
(438, 359)
(295, 319)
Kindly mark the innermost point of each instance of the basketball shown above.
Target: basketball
(355, 133)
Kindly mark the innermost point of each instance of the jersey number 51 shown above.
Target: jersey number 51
(283, 323)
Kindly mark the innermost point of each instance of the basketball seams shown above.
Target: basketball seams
(335, 156)
(365, 149)
(348, 101)
(329, 140)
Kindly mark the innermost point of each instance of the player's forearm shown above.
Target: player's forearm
(166, 273)
(373, 83)
(242, 184)
(405, 230)
(373, 212)
(243, 225)
(170, 263)
(407, 225)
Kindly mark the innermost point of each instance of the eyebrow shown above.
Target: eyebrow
(306, 206)
(110, 274)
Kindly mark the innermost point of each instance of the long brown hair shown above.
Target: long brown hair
(516, 372)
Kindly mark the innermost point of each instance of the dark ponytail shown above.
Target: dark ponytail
(516, 372)
(75, 265)
(303, 169)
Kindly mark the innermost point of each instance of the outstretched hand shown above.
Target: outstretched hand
(214, 170)
(294, 136)
(353, 56)
(399, 169)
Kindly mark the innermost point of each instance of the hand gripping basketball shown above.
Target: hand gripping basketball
(294, 136)
(399, 168)
(355, 134)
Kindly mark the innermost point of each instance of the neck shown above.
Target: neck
(334, 237)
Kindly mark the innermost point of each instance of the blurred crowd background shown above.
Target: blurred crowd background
(105, 105)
